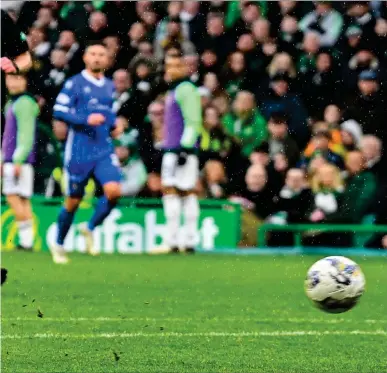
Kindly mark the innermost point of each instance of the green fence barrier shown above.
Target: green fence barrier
(135, 226)
(299, 229)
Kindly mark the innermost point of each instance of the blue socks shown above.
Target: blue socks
(104, 206)
(65, 220)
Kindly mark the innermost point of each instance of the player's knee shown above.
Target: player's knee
(112, 191)
(71, 204)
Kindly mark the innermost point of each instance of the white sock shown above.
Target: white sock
(191, 212)
(172, 212)
(26, 233)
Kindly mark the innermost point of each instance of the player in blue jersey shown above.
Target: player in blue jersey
(85, 104)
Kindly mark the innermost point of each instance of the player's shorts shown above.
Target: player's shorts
(22, 186)
(183, 177)
(105, 170)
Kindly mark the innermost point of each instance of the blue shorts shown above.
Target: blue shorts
(105, 170)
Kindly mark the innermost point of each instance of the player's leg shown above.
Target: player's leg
(75, 186)
(17, 192)
(188, 175)
(172, 203)
(108, 174)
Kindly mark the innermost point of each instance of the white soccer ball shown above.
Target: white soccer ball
(335, 284)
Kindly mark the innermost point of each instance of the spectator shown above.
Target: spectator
(280, 99)
(321, 140)
(193, 20)
(261, 30)
(133, 171)
(217, 39)
(294, 199)
(152, 137)
(290, 207)
(68, 42)
(324, 20)
(56, 76)
(117, 53)
(280, 141)
(123, 96)
(97, 28)
(235, 74)
(332, 116)
(327, 187)
(359, 192)
(136, 34)
(192, 63)
(368, 106)
(173, 36)
(351, 135)
(45, 19)
(335, 143)
(321, 86)
(245, 122)
(257, 191)
(371, 148)
(358, 13)
(310, 48)
(214, 176)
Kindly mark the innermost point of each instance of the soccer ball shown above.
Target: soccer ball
(334, 284)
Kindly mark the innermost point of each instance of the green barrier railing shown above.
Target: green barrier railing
(299, 229)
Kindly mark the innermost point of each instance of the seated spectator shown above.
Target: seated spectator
(359, 14)
(209, 61)
(310, 47)
(290, 37)
(245, 122)
(332, 116)
(280, 99)
(368, 106)
(294, 199)
(327, 187)
(151, 137)
(320, 144)
(136, 34)
(279, 139)
(235, 74)
(335, 143)
(351, 134)
(96, 29)
(173, 35)
(123, 95)
(133, 171)
(46, 20)
(214, 178)
(371, 148)
(217, 39)
(359, 192)
(321, 86)
(258, 196)
(215, 144)
(325, 21)
(192, 63)
(67, 41)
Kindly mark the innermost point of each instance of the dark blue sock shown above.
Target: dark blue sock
(104, 206)
(65, 219)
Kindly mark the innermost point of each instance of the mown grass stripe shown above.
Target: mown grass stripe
(293, 320)
(294, 333)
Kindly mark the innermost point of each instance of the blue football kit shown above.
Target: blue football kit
(89, 149)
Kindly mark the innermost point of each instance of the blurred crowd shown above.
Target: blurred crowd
(293, 94)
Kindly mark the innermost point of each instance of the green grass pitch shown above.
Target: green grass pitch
(202, 313)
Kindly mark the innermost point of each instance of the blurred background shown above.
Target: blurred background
(293, 95)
